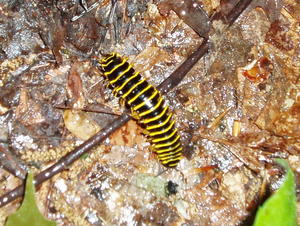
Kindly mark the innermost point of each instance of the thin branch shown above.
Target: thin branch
(89, 108)
(237, 11)
(176, 77)
(11, 164)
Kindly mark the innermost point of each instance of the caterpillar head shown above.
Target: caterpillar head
(108, 57)
(102, 62)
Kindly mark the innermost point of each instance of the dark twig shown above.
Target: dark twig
(11, 164)
(176, 77)
(89, 108)
(237, 11)
(233, 14)
(172, 81)
(67, 159)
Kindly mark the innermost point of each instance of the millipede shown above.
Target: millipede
(147, 106)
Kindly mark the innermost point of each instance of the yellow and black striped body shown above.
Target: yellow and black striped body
(147, 106)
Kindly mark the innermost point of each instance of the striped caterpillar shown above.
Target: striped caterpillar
(146, 105)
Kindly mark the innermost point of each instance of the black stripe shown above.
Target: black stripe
(116, 61)
(163, 127)
(159, 121)
(169, 164)
(137, 90)
(169, 147)
(131, 83)
(149, 105)
(165, 134)
(156, 112)
(168, 140)
(143, 98)
(118, 71)
(124, 77)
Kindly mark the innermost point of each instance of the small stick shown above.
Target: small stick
(11, 164)
(237, 11)
(86, 10)
(176, 77)
(231, 17)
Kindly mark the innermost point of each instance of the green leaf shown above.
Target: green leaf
(280, 208)
(28, 214)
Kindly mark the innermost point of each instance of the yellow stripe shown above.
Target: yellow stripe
(140, 93)
(152, 109)
(173, 164)
(105, 65)
(162, 131)
(146, 121)
(164, 158)
(167, 149)
(144, 102)
(171, 157)
(119, 76)
(164, 138)
(178, 157)
(116, 67)
(161, 124)
(104, 60)
(171, 160)
(167, 144)
(171, 152)
(132, 88)
(128, 80)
